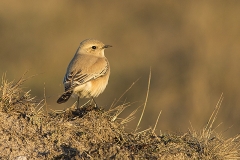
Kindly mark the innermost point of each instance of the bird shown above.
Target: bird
(87, 73)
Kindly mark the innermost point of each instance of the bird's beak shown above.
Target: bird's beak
(106, 46)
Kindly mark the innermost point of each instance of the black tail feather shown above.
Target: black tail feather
(64, 97)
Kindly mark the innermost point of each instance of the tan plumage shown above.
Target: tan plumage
(88, 72)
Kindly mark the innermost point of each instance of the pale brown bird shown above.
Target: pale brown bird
(88, 72)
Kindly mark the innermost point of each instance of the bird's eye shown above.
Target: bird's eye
(94, 47)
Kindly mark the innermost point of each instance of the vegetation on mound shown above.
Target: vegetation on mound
(27, 132)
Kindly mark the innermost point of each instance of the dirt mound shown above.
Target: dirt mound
(92, 133)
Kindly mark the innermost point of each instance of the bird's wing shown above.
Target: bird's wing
(83, 69)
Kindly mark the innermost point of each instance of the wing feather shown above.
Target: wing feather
(84, 70)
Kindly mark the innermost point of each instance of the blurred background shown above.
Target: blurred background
(192, 47)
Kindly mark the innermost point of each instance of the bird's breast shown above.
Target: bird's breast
(92, 88)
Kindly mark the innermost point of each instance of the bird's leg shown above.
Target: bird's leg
(96, 106)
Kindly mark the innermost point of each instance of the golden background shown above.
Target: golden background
(192, 47)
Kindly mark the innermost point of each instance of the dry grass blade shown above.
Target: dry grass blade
(115, 102)
(146, 130)
(154, 128)
(118, 110)
(41, 107)
(130, 117)
(207, 131)
(145, 103)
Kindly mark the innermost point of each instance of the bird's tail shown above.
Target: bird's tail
(64, 97)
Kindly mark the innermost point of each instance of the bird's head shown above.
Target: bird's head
(93, 47)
